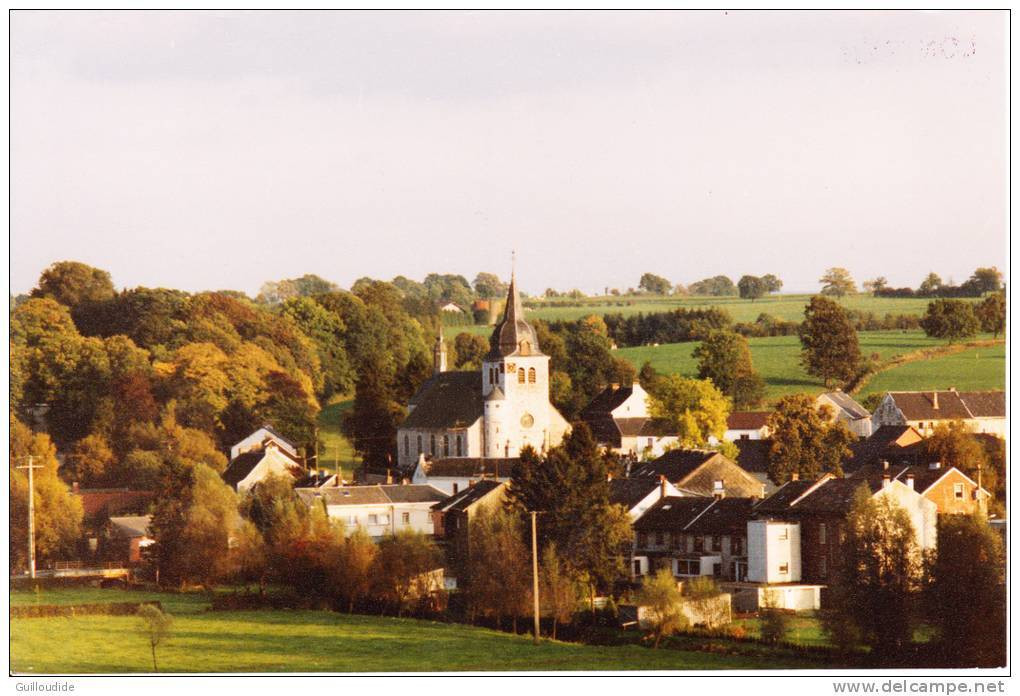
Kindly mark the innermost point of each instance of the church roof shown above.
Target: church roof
(447, 400)
(513, 335)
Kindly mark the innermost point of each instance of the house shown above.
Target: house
(453, 475)
(317, 478)
(619, 420)
(981, 412)
(126, 537)
(702, 472)
(753, 457)
(378, 509)
(452, 519)
(819, 509)
(845, 410)
(257, 464)
(639, 494)
(659, 537)
(451, 308)
(493, 413)
(895, 443)
(99, 504)
(257, 441)
(952, 491)
(747, 425)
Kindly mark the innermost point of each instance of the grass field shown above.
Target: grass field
(777, 359)
(312, 641)
(333, 446)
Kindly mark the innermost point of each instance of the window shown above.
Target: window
(531, 375)
(460, 445)
(784, 568)
(822, 534)
(637, 566)
(823, 566)
(678, 542)
(432, 443)
(688, 566)
(651, 442)
(745, 436)
(520, 376)
(446, 445)
(737, 546)
(405, 518)
(784, 534)
(715, 543)
(699, 544)
(958, 491)
(502, 368)
(642, 539)
(407, 445)
(373, 519)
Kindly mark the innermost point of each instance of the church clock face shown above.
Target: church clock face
(527, 421)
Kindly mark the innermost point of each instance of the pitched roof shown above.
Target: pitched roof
(313, 479)
(675, 465)
(672, 513)
(373, 495)
(469, 496)
(268, 428)
(513, 331)
(753, 455)
(924, 476)
(241, 466)
(131, 527)
(725, 516)
(747, 420)
(921, 405)
(882, 444)
(986, 404)
(604, 429)
(628, 492)
(847, 403)
(779, 501)
(447, 400)
(471, 467)
(834, 496)
(607, 400)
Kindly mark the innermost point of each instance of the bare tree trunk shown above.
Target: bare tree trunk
(155, 668)
(554, 629)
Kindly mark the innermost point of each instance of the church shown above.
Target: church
(490, 414)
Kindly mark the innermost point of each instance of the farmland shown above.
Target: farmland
(777, 359)
(313, 641)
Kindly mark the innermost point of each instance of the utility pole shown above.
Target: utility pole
(31, 515)
(534, 571)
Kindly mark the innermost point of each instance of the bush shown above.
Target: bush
(38, 611)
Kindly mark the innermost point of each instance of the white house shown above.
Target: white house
(379, 510)
(493, 413)
(250, 467)
(258, 439)
(454, 475)
(619, 419)
(639, 494)
(847, 411)
(981, 412)
(773, 551)
(746, 425)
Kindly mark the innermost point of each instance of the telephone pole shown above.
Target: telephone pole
(31, 515)
(534, 571)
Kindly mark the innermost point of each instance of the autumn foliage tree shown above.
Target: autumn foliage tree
(829, 341)
(805, 440)
(694, 409)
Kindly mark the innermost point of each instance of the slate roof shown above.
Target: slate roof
(241, 466)
(131, 527)
(268, 428)
(471, 467)
(880, 445)
(447, 400)
(675, 465)
(924, 476)
(604, 429)
(779, 502)
(672, 513)
(469, 496)
(847, 403)
(726, 516)
(953, 405)
(513, 330)
(606, 401)
(986, 404)
(314, 479)
(373, 495)
(628, 492)
(747, 420)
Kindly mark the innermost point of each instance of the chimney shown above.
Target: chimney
(389, 476)
(885, 465)
(935, 400)
(404, 481)
(662, 486)
(935, 465)
(795, 476)
(718, 490)
(910, 481)
(471, 483)
(886, 480)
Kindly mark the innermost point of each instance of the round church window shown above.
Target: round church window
(527, 421)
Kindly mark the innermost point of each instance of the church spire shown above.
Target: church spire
(439, 353)
(513, 335)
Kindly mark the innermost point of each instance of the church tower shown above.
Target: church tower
(515, 386)
(439, 353)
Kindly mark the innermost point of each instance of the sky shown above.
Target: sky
(221, 150)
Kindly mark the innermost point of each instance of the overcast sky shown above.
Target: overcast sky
(221, 150)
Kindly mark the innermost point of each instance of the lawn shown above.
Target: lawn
(333, 446)
(803, 630)
(971, 369)
(313, 641)
(777, 359)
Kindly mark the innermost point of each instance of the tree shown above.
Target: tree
(693, 408)
(404, 567)
(91, 460)
(307, 285)
(876, 285)
(829, 342)
(654, 284)
(371, 423)
(950, 319)
(488, 285)
(930, 285)
(775, 622)
(873, 593)
(837, 282)
(663, 604)
(155, 626)
(955, 446)
(724, 358)
(71, 284)
(469, 349)
(499, 572)
(805, 440)
(717, 286)
(752, 287)
(992, 313)
(966, 599)
(557, 589)
(357, 561)
(326, 330)
(985, 280)
(772, 283)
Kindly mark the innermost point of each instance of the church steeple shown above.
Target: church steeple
(513, 335)
(439, 353)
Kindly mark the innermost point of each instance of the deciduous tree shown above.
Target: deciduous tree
(804, 441)
(829, 342)
(692, 408)
(654, 284)
(752, 287)
(663, 604)
(992, 313)
(837, 282)
(950, 319)
(724, 358)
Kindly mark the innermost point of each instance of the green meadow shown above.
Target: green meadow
(970, 369)
(314, 641)
(334, 448)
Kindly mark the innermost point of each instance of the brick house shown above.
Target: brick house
(952, 491)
